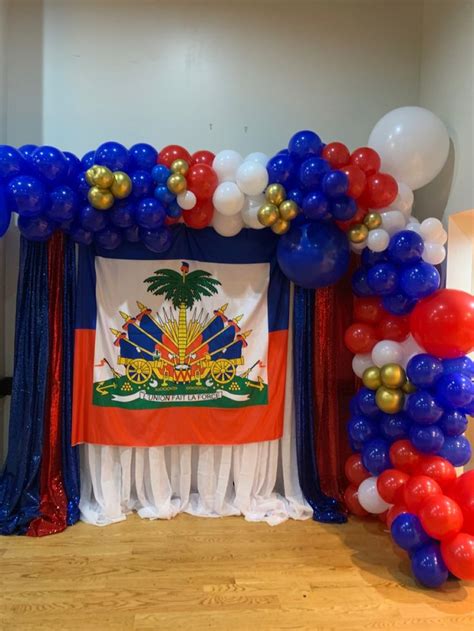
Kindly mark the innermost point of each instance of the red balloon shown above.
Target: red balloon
(441, 517)
(380, 191)
(368, 310)
(357, 180)
(366, 159)
(390, 485)
(202, 181)
(357, 218)
(360, 337)
(394, 511)
(337, 154)
(202, 157)
(417, 490)
(458, 554)
(170, 153)
(200, 216)
(355, 470)
(462, 491)
(439, 469)
(352, 502)
(395, 328)
(443, 323)
(404, 456)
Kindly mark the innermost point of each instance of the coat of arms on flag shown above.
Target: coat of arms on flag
(190, 348)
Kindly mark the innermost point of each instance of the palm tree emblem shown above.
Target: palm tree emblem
(182, 290)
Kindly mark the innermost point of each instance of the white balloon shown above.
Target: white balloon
(410, 348)
(393, 221)
(404, 200)
(258, 157)
(434, 253)
(440, 238)
(414, 227)
(387, 352)
(252, 178)
(186, 200)
(378, 240)
(228, 199)
(370, 498)
(431, 229)
(226, 163)
(250, 211)
(360, 362)
(227, 226)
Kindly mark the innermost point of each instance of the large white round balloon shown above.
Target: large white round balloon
(393, 221)
(387, 352)
(228, 199)
(250, 211)
(226, 163)
(252, 178)
(413, 144)
(432, 229)
(258, 157)
(361, 362)
(404, 199)
(378, 240)
(227, 225)
(186, 200)
(370, 498)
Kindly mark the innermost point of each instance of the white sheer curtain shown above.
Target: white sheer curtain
(257, 480)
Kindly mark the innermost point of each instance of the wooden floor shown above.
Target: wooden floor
(192, 573)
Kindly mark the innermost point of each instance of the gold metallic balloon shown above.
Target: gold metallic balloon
(288, 210)
(99, 176)
(179, 166)
(275, 194)
(358, 233)
(122, 186)
(100, 198)
(373, 221)
(389, 400)
(176, 183)
(408, 387)
(393, 375)
(371, 378)
(268, 214)
(280, 226)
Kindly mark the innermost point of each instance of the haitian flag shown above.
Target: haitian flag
(184, 347)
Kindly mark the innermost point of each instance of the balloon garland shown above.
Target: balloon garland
(409, 337)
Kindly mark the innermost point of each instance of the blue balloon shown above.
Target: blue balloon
(49, 164)
(422, 408)
(362, 428)
(91, 219)
(366, 401)
(375, 456)
(394, 426)
(459, 364)
(157, 240)
(398, 303)
(457, 450)
(355, 445)
(453, 423)
(369, 258)
(423, 370)
(426, 438)
(74, 166)
(408, 533)
(343, 208)
(335, 184)
(174, 211)
(419, 280)
(164, 195)
(454, 390)
(405, 247)
(63, 204)
(82, 186)
(312, 172)
(36, 228)
(428, 566)
(12, 163)
(112, 155)
(359, 283)
(27, 151)
(150, 214)
(160, 173)
(142, 184)
(383, 279)
(109, 238)
(5, 214)
(305, 143)
(79, 235)
(88, 160)
(315, 205)
(132, 234)
(143, 156)
(26, 195)
(314, 254)
(122, 214)
(281, 169)
(296, 196)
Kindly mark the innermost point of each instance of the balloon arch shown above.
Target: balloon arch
(409, 337)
